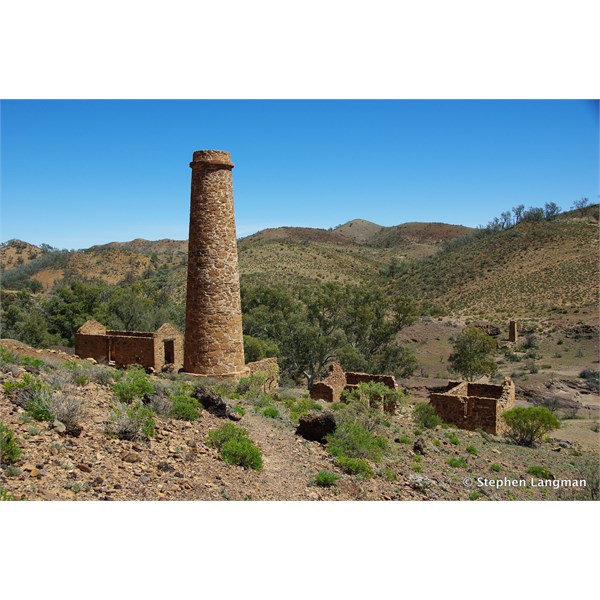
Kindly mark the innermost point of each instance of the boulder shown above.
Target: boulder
(419, 446)
(214, 403)
(419, 483)
(315, 426)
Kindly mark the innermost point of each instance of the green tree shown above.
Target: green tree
(472, 355)
(528, 425)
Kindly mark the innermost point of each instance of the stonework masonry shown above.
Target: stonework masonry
(122, 348)
(512, 331)
(213, 329)
(267, 368)
(337, 381)
(475, 405)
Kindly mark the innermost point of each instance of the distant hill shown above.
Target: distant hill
(359, 230)
(532, 267)
(16, 253)
(147, 246)
(298, 234)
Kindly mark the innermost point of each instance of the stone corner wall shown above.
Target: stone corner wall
(268, 367)
(506, 401)
(331, 388)
(475, 406)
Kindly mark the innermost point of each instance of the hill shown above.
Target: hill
(16, 253)
(529, 269)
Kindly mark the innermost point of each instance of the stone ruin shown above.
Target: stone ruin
(337, 381)
(512, 331)
(475, 405)
(156, 350)
(214, 342)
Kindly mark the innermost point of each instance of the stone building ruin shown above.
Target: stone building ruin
(214, 344)
(337, 381)
(153, 350)
(475, 405)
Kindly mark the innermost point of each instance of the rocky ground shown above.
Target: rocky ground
(178, 464)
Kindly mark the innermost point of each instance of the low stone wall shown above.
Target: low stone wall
(331, 388)
(475, 406)
(92, 346)
(268, 367)
(353, 379)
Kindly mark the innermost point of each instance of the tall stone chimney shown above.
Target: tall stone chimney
(214, 344)
(512, 331)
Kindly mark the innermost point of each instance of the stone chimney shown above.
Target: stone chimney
(214, 344)
(512, 331)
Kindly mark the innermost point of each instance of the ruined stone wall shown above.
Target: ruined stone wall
(213, 331)
(331, 388)
(131, 350)
(92, 346)
(462, 407)
(353, 379)
(165, 333)
(269, 368)
(506, 401)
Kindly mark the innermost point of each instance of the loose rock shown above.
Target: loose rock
(316, 426)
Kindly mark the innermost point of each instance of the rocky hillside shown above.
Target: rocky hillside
(530, 269)
(527, 270)
(90, 455)
(16, 253)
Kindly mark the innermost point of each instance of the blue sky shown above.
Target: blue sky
(78, 173)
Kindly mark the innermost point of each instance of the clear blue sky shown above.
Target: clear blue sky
(78, 173)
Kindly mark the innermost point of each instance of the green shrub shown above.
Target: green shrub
(389, 474)
(9, 449)
(457, 462)
(355, 466)
(426, 416)
(235, 447)
(299, 408)
(5, 496)
(226, 432)
(376, 395)
(132, 421)
(31, 361)
(240, 410)
(541, 472)
(472, 450)
(496, 468)
(417, 468)
(453, 438)
(135, 383)
(253, 384)
(436, 443)
(475, 495)
(185, 407)
(8, 357)
(326, 478)
(528, 425)
(352, 439)
(403, 439)
(242, 452)
(270, 412)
